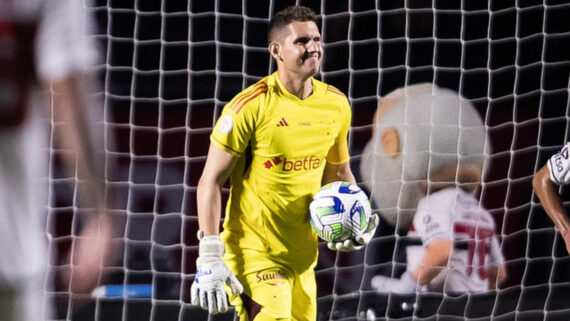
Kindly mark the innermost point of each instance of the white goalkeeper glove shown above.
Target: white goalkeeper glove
(207, 291)
(405, 284)
(359, 241)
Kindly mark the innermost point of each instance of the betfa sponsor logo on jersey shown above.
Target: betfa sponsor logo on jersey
(306, 163)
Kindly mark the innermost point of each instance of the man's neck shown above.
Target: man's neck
(300, 87)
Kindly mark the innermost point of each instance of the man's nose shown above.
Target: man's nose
(313, 46)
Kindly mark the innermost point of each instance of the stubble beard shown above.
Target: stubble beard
(311, 66)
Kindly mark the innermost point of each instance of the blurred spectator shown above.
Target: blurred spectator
(460, 251)
(430, 141)
(44, 41)
(417, 130)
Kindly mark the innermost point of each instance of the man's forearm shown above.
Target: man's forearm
(435, 259)
(209, 198)
(550, 199)
(84, 160)
(73, 132)
(219, 165)
(340, 172)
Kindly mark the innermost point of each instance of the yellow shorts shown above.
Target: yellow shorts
(277, 294)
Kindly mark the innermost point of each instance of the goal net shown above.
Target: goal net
(171, 65)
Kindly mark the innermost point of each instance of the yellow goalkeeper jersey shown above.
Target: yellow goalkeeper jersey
(283, 144)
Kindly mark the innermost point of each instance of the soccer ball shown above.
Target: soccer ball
(339, 211)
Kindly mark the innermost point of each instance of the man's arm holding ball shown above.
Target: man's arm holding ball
(342, 172)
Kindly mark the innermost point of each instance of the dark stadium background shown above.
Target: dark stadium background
(507, 63)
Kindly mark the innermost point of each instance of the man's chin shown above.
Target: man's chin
(313, 69)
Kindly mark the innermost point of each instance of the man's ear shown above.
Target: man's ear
(390, 141)
(275, 50)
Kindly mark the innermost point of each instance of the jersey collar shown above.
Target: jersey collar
(286, 93)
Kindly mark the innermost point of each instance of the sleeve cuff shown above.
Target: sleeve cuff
(551, 172)
(224, 147)
(339, 162)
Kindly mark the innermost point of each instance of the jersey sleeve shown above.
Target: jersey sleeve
(434, 220)
(559, 166)
(496, 258)
(62, 45)
(338, 154)
(236, 124)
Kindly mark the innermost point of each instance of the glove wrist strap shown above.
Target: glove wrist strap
(210, 245)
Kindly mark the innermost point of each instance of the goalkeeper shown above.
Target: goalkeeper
(545, 183)
(278, 141)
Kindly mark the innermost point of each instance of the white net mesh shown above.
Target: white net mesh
(171, 66)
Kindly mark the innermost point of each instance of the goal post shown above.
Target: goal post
(170, 66)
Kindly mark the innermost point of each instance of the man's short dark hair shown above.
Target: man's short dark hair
(286, 16)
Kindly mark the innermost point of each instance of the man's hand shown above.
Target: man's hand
(211, 272)
(360, 240)
(405, 284)
(91, 252)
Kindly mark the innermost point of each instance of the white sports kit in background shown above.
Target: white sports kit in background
(456, 215)
(559, 166)
(59, 49)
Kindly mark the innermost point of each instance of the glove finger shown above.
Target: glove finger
(212, 308)
(339, 246)
(222, 300)
(355, 246)
(365, 237)
(374, 221)
(350, 245)
(234, 284)
(194, 300)
(203, 299)
(331, 246)
(362, 239)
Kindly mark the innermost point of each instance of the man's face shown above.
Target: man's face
(302, 48)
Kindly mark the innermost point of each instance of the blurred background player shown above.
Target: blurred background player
(418, 129)
(278, 140)
(429, 141)
(44, 40)
(545, 183)
(460, 251)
